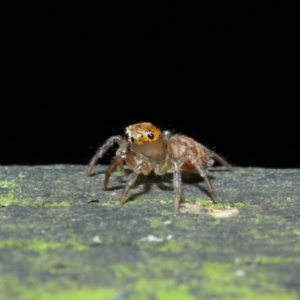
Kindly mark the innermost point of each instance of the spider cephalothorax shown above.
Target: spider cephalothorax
(145, 148)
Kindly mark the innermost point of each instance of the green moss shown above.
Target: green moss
(220, 279)
(258, 234)
(166, 289)
(151, 282)
(111, 203)
(156, 223)
(7, 196)
(163, 277)
(8, 184)
(240, 203)
(76, 294)
(214, 279)
(7, 199)
(142, 289)
(50, 291)
(40, 245)
(205, 203)
(171, 247)
(11, 199)
(53, 203)
(244, 261)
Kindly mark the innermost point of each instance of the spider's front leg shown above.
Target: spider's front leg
(102, 150)
(135, 162)
(118, 160)
(130, 181)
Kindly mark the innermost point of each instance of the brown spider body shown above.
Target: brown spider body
(145, 148)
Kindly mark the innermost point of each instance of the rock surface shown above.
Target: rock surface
(63, 236)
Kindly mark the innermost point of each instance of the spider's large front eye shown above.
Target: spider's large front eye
(150, 135)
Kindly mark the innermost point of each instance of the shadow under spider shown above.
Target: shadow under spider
(164, 183)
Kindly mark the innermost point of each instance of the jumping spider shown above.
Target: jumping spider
(145, 148)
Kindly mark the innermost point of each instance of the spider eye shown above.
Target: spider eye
(150, 135)
(129, 139)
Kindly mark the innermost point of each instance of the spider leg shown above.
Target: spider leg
(177, 185)
(130, 181)
(102, 150)
(118, 160)
(221, 160)
(204, 175)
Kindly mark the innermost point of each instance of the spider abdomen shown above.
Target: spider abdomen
(181, 146)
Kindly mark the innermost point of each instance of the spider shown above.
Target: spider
(145, 148)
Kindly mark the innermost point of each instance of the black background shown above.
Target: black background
(224, 73)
